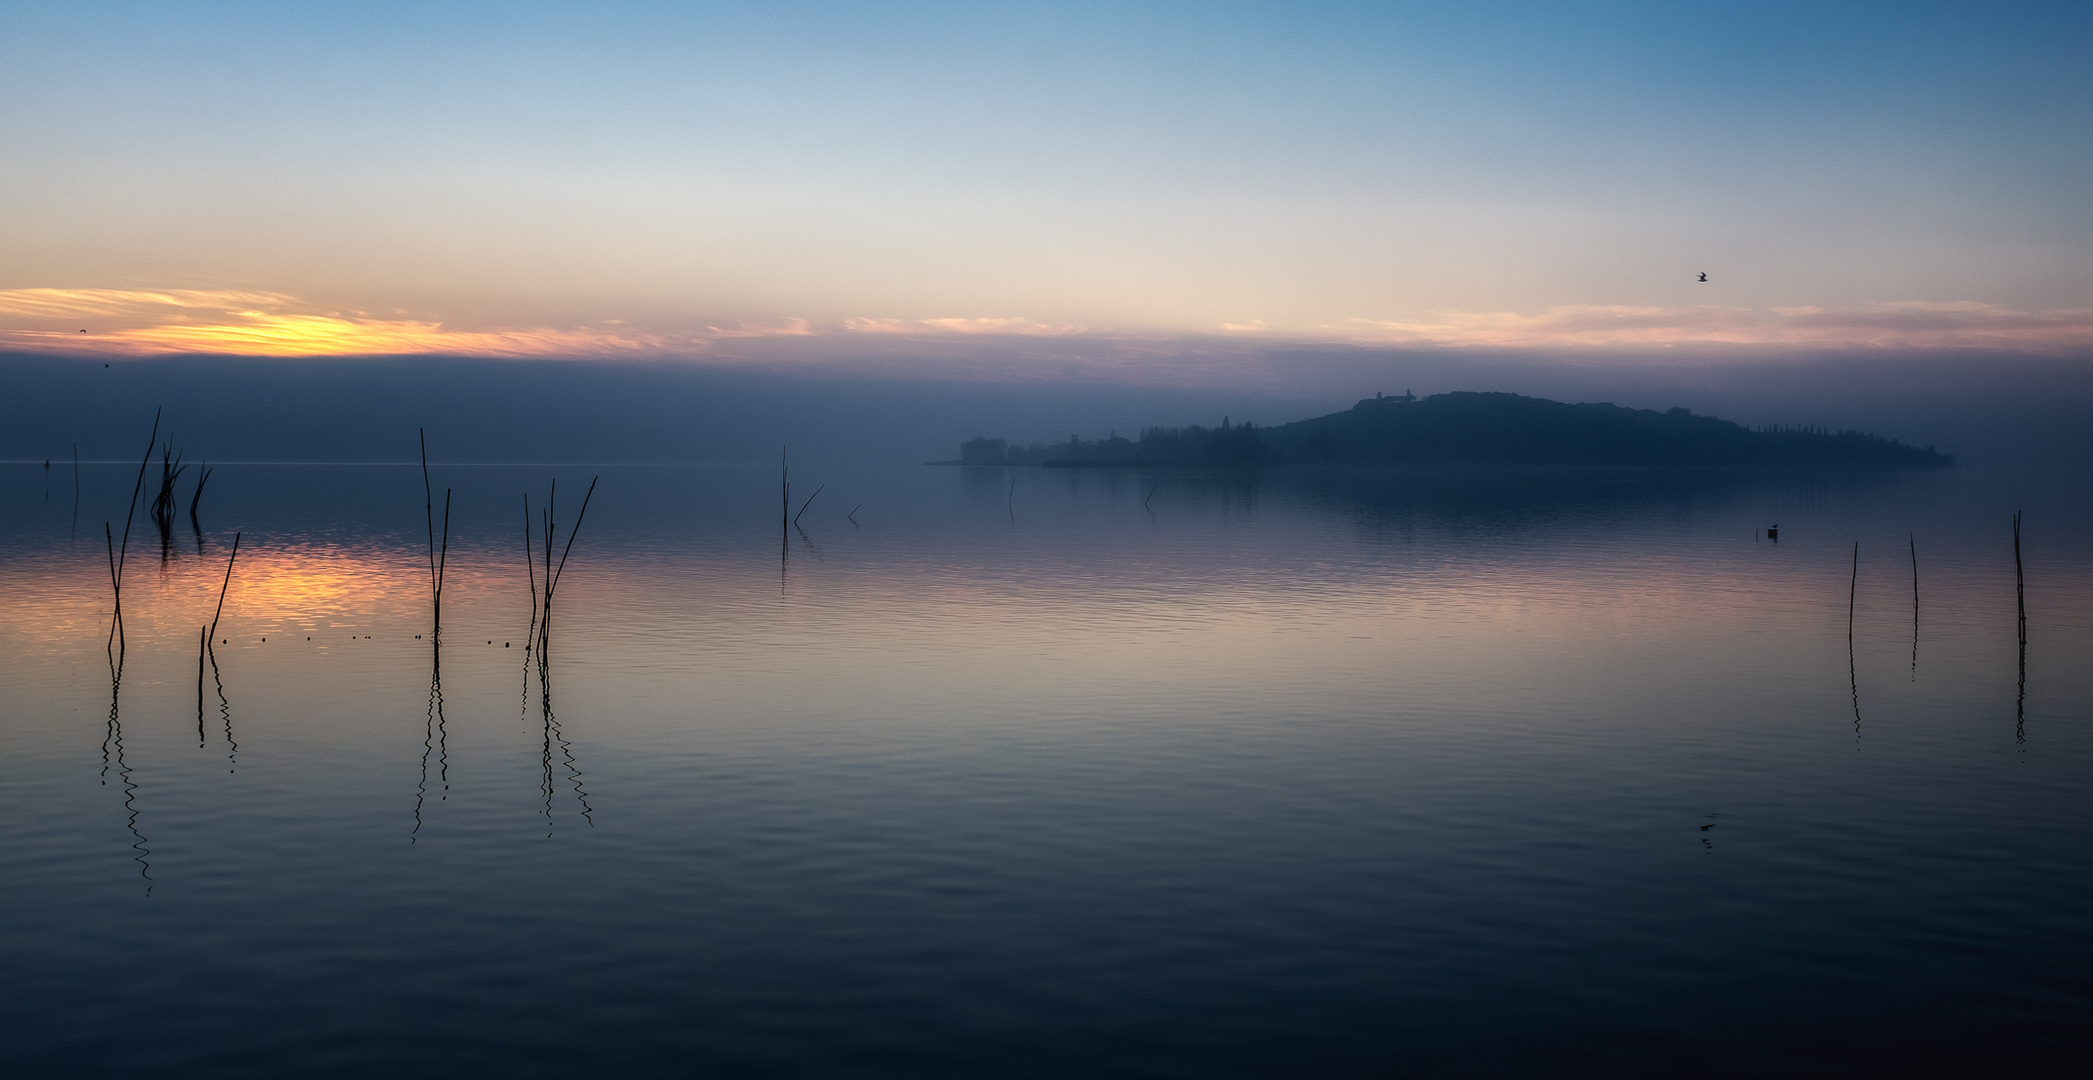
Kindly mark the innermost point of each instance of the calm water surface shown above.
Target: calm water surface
(1104, 773)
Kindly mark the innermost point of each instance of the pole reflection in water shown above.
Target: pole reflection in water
(435, 738)
(1852, 669)
(210, 633)
(2020, 600)
(225, 713)
(552, 736)
(1914, 607)
(540, 639)
(203, 645)
(113, 749)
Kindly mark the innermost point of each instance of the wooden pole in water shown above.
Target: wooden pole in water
(443, 559)
(1852, 591)
(436, 559)
(1852, 669)
(1913, 539)
(221, 594)
(530, 569)
(2020, 594)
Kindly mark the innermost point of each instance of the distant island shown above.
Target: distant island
(1467, 428)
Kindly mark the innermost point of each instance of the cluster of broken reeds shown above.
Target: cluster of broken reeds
(543, 589)
(548, 523)
(162, 511)
(171, 470)
(788, 521)
(166, 503)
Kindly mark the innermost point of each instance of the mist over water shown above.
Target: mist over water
(2015, 413)
(1052, 772)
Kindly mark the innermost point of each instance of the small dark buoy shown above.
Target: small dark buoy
(504, 644)
(1773, 532)
(490, 643)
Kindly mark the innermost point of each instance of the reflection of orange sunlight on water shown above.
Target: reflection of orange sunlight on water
(272, 588)
(314, 581)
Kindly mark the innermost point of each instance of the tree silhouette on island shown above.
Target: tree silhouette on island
(1469, 428)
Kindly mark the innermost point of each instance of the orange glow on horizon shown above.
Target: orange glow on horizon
(245, 323)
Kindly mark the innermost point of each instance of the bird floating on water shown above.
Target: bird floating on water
(1704, 275)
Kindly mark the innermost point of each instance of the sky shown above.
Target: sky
(953, 188)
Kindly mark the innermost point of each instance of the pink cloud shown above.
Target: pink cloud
(153, 322)
(1905, 325)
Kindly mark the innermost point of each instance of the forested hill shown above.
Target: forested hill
(1479, 429)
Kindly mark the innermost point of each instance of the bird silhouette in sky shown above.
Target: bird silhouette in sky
(1704, 275)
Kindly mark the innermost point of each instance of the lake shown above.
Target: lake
(1045, 772)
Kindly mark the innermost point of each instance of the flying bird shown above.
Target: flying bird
(1704, 275)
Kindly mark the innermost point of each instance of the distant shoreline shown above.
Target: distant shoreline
(1263, 466)
(1474, 429)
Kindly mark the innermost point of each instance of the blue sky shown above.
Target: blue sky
(671, 179)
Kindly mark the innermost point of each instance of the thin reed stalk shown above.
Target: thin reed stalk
(117, 556)
(530, 570)
(1914, 541)
(554, 573)
(437, 557)
(2020, 586)
(203, 476)
(803, 506)
(1852, 592)
(223, 586)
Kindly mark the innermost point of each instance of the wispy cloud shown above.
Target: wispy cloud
(962, 325)
(254, 323)
(137, 322)
(146, 322)
(1904, 325)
